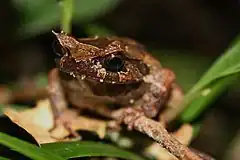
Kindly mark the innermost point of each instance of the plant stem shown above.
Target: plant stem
(66, 18)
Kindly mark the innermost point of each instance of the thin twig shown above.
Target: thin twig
(156, 131)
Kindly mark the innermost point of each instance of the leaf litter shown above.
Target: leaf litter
(38, 121)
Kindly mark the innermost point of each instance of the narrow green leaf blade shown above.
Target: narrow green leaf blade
(27, 149)
(223, 73)
(3, 158)
(87, 149)
(230, 59)
(205, 98)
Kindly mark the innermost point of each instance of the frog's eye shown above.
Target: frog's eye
(114, 64)
(57, 48)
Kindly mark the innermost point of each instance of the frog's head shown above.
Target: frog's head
(107, 60)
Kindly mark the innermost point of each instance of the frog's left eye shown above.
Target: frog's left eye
(57, 48)
(114, 64)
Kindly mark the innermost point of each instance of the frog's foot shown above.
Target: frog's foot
(128, 116)
(64, 121)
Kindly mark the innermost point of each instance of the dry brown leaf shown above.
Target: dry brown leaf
(184, 134)
(36, 121)
(80, 123)
(39, 120)
(158, 152)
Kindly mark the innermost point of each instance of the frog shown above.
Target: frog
(117, 78)
(97, 72)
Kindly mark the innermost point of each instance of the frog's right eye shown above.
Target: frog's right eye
(58, 48)
(114, 64)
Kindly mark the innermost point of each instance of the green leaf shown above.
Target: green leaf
(37, 16)
(235, 69)
(205, 98)
(27, 149)
(226, 65)
(223, 73)
(3, 158)
(87, 149)
(42, 15)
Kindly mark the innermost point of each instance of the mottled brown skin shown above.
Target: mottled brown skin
(141, 86)
(98, 73)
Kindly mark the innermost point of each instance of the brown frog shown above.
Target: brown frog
(117, 78)
(101, 71)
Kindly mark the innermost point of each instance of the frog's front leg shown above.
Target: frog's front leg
(157, 95)
(58, 101)
(160, 83)
(148, 106)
